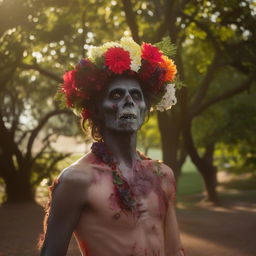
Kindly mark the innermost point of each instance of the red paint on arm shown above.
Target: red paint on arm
(84, 247)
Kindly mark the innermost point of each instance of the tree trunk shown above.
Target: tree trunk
(210, 174)
(17, 186)
(170, 138)
(18, 190)
(204, 164)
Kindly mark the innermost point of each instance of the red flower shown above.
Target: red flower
(69, 78)
(85, 114)
(117, 60)
(151, 53)
(147, 70)
(81, 95)
(69, 88)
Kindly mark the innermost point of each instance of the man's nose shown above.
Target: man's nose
(128, 101)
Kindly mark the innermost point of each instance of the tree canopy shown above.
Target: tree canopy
(215, 57)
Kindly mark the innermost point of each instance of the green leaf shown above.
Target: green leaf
(166, 47)
(117, 179)
(60, 97)
(178, 83)
(99, 61)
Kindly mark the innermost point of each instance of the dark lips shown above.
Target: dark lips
(128, 117)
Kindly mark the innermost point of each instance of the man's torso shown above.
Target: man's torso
(105, 228)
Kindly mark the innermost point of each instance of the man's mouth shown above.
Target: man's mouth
(128, 116)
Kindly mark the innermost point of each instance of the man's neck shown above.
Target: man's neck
(123, 146)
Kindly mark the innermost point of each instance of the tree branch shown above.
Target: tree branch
(131, 20)
(22, 136)
(232, 92)
(15, 113)
(205, 84)
(42, 71)
(7, 143)
(203, 27)
(83, 35)
(163, 28)
(41, 124)
(42, 150)
(50, 168)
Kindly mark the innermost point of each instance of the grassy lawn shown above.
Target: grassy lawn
(190, 187)
(190, 184)
(190, 181)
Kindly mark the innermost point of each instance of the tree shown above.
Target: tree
(43, 36)
(148, 136)
(221, 29)
(24, 115)
(209, 38)
(18, 132)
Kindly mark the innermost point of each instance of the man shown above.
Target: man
(116, 201)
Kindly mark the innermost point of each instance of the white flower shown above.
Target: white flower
(128, 44)
(110, 44)
(168, 99)
(98, 51)
(95, 52)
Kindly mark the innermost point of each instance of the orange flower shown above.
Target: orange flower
(170, 67)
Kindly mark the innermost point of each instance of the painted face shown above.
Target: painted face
(123, 107)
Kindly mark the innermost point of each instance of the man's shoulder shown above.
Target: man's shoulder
(165, 173)
(79, 172)
(156, 164)
(159, 167)
(166, 169)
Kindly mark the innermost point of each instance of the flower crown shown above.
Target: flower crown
(146, 62)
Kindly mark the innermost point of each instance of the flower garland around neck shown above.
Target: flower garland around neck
(125, 197)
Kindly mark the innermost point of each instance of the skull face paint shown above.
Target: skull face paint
(123, 107)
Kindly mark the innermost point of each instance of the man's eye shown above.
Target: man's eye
(115, 95)
(136, 95)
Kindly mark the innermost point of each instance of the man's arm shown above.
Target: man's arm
(173, 245)
(66, 206)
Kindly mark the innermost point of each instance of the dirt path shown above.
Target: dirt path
(205, 231)
(219, 231)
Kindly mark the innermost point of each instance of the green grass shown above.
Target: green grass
(188, 166)
(190, 182)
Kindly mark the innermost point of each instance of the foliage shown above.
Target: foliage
(215, 56)
(148, 136)
(166, 47)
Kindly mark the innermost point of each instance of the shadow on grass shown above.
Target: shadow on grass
(241, 184)
(228, 229)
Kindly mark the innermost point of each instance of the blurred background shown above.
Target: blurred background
(208, 138)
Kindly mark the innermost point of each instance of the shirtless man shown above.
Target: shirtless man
(115, 201)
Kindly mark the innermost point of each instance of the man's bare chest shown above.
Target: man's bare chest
(138, 195)
(122, 211)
